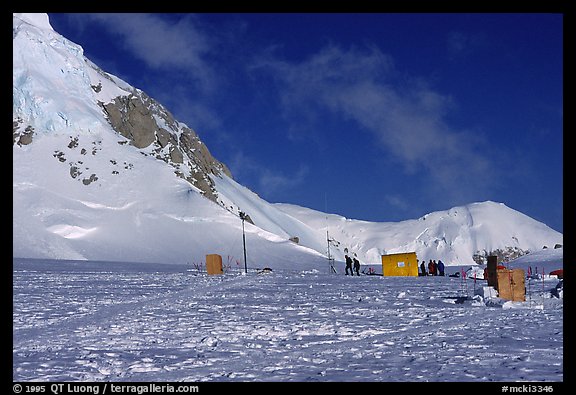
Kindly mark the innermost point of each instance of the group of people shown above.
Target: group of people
(349, 262)
(434, 269)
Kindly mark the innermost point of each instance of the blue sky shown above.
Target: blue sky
(373, 116)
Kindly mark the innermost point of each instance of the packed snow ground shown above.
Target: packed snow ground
(105, 321)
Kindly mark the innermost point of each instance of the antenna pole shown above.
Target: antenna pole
(328, 241)
(330, 259)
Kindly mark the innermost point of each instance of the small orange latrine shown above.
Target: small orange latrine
(214, 264)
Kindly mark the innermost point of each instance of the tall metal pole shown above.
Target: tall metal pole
(243, 217)
(330, 260)
(328, 241)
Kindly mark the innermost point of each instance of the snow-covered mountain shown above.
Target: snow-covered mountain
(101, 171)
(461, 235)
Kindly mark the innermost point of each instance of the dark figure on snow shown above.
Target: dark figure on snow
(440, 268)
(431, 271)
(356, 265)
(423, 269)
(435, 267)
(348, 264)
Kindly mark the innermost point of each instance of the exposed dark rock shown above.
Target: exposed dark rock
(73, 143)
(176, 155)
(129, 116)
(74, 171)
(88, 181)
(21, 137)
(164, 138)
(504, 255)
(60, 156)
(147, 124)
(97, 88)
(26, 138)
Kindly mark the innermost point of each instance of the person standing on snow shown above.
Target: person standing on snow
(348, 264)
(423, 268)
(440, 268)
(356, 265)
(430, 268)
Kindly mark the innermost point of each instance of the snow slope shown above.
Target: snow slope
(545, 260)
(165, 222)
(82, 191)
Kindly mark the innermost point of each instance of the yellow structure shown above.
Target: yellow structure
(403, 264)
(214, 264)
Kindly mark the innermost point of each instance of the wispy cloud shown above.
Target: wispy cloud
(273, 182)
(461, 44)
(407, 117)
(457, 43)
(268, 182)
(162, 44)
(184, 106)
(397, 202)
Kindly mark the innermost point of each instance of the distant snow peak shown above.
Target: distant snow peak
(458, 236)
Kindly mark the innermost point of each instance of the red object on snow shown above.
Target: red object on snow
(559, 273)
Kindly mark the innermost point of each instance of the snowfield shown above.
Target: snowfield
(110, 321)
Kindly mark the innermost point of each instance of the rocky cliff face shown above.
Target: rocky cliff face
(148, 125)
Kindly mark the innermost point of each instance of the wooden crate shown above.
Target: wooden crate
(511, 284)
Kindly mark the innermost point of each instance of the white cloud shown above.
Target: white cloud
(457, 43)
(273, 182)
(263, 179)
(461, 44)
(405, 115)
(163, 44)
(397, 202)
